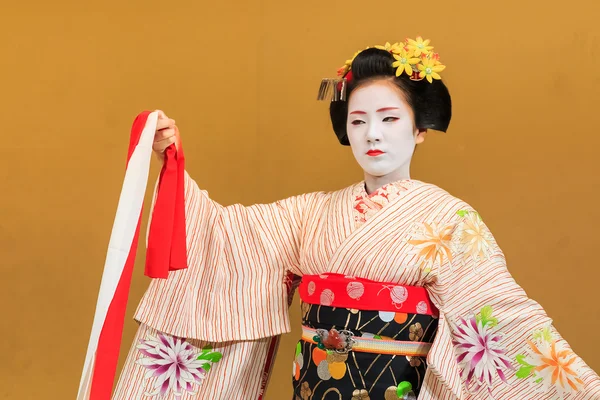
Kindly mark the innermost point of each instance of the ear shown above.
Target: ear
(420, 136)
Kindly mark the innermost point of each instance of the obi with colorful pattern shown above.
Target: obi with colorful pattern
(362, 339)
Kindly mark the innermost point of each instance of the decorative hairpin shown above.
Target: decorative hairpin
(334, 89)
(414, 57)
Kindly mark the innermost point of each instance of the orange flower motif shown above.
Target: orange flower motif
(432, 243)
(550, 363)
(556, 365)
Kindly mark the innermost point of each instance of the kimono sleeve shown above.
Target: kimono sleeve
(238, 257)
(494, 340)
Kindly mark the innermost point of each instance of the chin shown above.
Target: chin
(377, 168)
(377, 173)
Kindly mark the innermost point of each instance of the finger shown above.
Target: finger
(163, 117)
(170, 138)
(164, 134)
(177, 138)
(165, 123)
(160, 146)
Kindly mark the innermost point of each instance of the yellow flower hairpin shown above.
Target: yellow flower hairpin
(414, 58)
(430, 69)
(404, 61)
(392, 48)
(419, 46)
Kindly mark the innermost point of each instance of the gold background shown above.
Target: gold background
(240, 78)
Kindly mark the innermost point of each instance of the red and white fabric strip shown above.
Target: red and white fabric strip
(166, 251)
(337, 290)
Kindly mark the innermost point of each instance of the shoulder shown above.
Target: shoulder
(460, 229)
(443, 204)
(337, 195)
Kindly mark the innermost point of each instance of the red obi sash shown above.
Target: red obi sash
(337, 290)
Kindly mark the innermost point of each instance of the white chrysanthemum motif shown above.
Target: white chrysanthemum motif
(472, 237)
(175, 365)
(479, 351)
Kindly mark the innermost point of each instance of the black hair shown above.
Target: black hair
(430, 102)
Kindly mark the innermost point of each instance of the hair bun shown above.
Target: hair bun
(429, 98)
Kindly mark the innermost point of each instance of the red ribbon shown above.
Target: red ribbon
(166, 252)
(166, 242)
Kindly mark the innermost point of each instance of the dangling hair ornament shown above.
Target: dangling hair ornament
(414, 58)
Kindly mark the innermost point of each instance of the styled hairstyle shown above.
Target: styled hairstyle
(430, 102)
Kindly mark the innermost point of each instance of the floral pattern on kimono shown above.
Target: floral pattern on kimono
(173, 364)
(549, 363)
(479, 351)
(410, 233)
(464, 250)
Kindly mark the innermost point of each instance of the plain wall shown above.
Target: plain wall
(241, 80)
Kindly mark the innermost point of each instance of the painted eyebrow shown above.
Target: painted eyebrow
(380, 110)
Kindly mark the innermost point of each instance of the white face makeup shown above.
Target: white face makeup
(382, 132)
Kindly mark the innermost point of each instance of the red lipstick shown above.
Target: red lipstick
(374, 153)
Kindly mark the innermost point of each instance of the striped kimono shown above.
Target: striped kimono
(210, 331)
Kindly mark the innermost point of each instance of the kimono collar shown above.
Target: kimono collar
(367, 205)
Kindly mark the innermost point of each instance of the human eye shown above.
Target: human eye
(357, 122)
(390, 119)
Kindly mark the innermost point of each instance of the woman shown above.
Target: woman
(404, 290)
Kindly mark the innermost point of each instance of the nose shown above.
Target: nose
(373, 134)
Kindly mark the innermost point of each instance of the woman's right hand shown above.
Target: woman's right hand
(166, 134)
